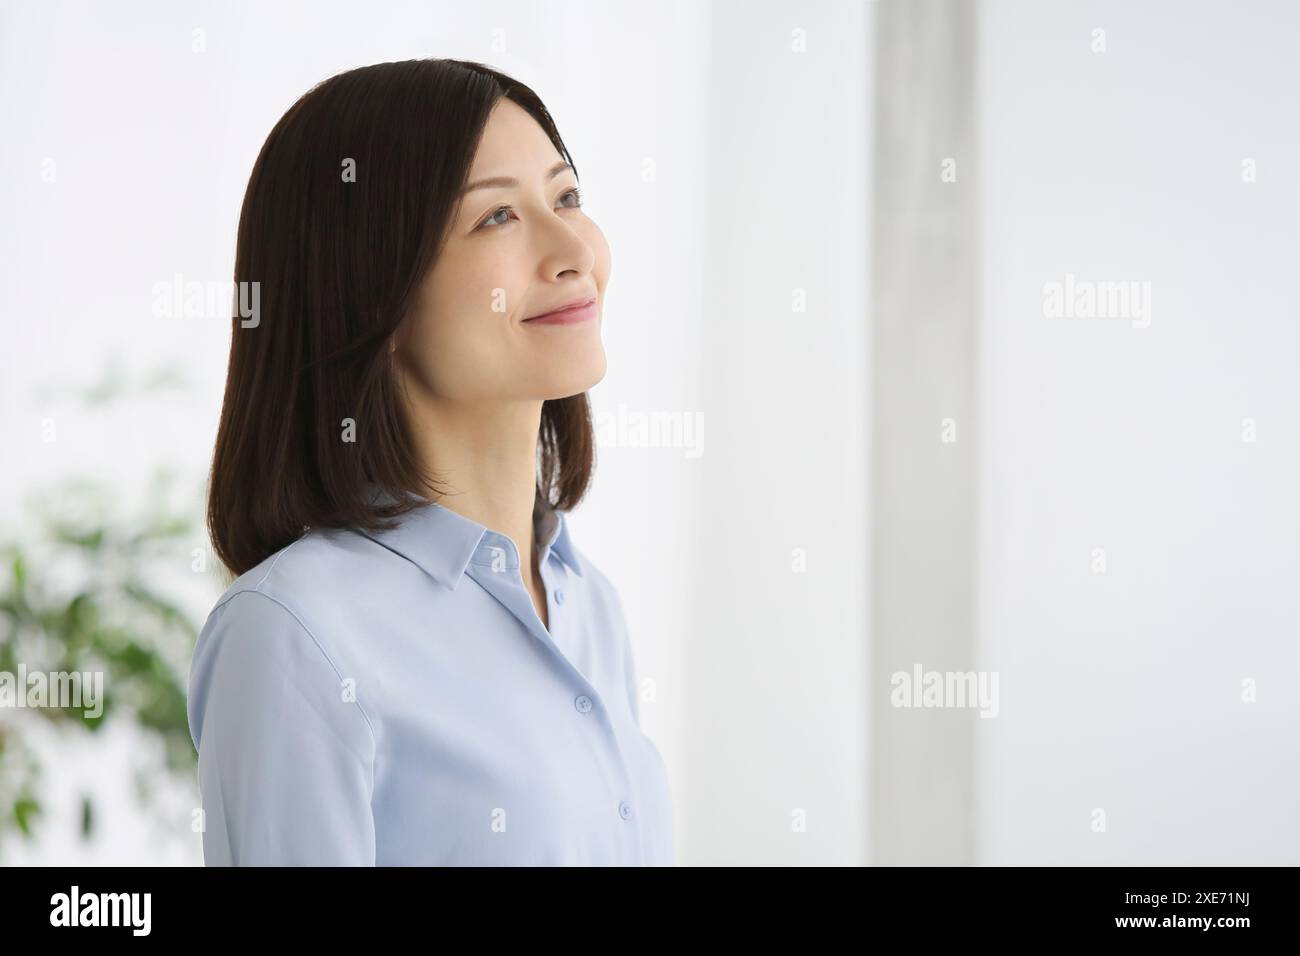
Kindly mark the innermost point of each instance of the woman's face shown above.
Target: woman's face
(514, 251)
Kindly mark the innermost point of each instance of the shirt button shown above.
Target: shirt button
(559, 596)
(625, 810)
(583, 703)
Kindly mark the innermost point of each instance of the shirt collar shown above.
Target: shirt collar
(444, 543)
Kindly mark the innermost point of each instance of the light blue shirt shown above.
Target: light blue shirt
(394, 699)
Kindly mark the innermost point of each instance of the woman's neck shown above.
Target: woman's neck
(484, 457)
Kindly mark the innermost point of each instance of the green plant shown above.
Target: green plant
(95, 591)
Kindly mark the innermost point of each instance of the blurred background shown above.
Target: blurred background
(945, 337)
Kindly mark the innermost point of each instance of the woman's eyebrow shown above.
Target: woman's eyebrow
(510, 181)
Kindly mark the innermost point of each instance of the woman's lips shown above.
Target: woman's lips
(569, 316)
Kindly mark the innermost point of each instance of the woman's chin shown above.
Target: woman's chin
(571, 385)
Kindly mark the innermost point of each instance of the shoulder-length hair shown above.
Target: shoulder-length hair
(338, 260)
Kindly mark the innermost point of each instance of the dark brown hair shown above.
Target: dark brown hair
(338, 265)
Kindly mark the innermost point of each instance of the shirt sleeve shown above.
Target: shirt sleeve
(286, 754)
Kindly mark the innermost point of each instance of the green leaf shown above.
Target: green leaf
(25, 810)
(87, 817)
(89, 540)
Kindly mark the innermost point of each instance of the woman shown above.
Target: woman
(416, 665)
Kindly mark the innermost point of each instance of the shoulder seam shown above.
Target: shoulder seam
(271, 568)
(308, 631)
(262, 580)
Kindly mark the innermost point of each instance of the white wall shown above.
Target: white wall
(777, 658)
(1123, 690)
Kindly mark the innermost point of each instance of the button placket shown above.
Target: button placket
(509, 591)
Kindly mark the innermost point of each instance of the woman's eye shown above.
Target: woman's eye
(492, 221)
